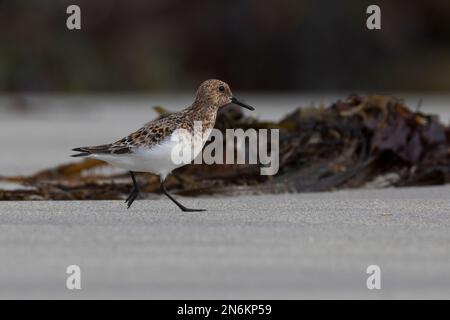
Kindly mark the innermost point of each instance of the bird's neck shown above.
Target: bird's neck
(204, 106)
(206, 113)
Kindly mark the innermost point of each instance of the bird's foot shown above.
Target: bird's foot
(184, 209)
(131, 197)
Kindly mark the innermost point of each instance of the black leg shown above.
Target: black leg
(134, 192)
(183, 208)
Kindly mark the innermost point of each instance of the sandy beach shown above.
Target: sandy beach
(258, 247)
(315, 245)
(40, 130)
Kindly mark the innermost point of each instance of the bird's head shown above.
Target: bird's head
(217, 93)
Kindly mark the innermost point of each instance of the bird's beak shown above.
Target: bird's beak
(239, 103)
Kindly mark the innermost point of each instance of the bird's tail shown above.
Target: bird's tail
(87, 151)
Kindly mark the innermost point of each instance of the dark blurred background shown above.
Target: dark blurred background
(255, 45)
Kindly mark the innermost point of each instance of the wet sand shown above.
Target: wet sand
(271, 246)
(254, 247)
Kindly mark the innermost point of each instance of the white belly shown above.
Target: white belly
(160, 159)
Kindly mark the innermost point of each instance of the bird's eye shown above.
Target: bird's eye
(222, 88)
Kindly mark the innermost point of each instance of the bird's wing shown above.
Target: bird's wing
(152, 133)
(119, 147)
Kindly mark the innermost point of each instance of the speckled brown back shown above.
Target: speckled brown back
(209, 99)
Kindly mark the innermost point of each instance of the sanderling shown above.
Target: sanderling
(149, 149)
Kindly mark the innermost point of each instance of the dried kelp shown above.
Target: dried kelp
(371, 141)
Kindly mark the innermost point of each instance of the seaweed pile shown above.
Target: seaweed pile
(363, 141)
